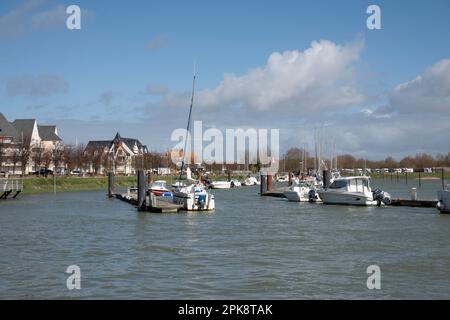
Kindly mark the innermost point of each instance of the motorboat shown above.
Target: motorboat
(159, 188)
(444, 200)
(220, 185)
(194, 198)
(251, 181)
(284, 178)
(178, 184)
(349, 190)
(302, 192)
(235, 183)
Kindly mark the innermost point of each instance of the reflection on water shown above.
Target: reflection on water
(250, 247)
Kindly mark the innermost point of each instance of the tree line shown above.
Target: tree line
(294, 158)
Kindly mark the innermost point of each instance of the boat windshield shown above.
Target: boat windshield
(338, 184)
(159, 184)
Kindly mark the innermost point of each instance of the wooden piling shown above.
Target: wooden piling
(442, 178)
(420, 183)
(263, 185)
(290, 178)
(141, 188)
(269, 182)
(110, 184)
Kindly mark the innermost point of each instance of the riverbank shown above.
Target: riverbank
(33, 185)
(68, 184)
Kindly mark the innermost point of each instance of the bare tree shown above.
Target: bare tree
(47, 157)
(15, 158)
(58, 156)
(37, 154)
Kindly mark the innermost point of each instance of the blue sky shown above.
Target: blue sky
(103, 78)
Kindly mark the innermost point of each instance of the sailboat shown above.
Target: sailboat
(193, 196)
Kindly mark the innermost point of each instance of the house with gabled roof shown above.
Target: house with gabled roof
(119, 154)
(26, 134)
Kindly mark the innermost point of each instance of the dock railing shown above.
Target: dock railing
(11, 185)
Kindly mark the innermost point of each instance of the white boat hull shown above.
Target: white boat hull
(221, 185)
(444, 201)
(349, 198)
(190, 201)
(297, 195)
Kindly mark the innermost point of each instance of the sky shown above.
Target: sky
(298, 66)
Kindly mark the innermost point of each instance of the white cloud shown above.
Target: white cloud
(319, 78)
(428, 92)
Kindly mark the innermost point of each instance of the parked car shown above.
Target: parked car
(75, 172)
(43, 172)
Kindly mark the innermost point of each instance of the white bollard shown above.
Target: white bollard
(414, 194)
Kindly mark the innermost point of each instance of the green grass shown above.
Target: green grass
(68, 184)
(33, 185)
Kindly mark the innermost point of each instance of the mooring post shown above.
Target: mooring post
(397, 176)
(263, 185)
(229, 175)
(110, 184)
(141, 187)
(442, 178)
(326, 178)
(290, 178)
(269, 182)
(420, 183)
(406, 177)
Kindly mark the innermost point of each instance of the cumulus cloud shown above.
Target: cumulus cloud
(319, 78)
(428, 92)
(36, 86)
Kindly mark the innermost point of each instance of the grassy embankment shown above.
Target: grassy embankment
(66, 184)
(69, 184)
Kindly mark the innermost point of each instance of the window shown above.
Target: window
(338, 184)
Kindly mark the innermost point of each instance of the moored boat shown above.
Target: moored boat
(158, 188)
(251, 181)
(350, 191)
(302, 192)
(194, 198)
(220, 184)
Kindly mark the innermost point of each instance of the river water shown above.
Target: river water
(251, 247)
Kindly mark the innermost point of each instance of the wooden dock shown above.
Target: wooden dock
(276, 193)
(9, 186)
(414, 203)
(154, 205)
(279, 193)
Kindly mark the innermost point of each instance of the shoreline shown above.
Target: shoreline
(38, 185)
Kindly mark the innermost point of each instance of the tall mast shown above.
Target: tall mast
(188, 128)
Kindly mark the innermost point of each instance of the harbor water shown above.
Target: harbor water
(250, 247)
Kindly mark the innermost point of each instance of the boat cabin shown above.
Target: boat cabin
(352, 184)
